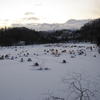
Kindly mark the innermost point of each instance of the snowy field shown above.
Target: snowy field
(25, 81)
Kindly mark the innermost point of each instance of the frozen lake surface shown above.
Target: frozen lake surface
(25, 81)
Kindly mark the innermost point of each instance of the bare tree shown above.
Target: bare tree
(50, 96)
(79, 86)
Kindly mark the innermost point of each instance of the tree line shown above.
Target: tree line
(89, 32)
(8, 36)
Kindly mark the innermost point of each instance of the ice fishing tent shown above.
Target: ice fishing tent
(36, 64)
(64, 61)
(29, 59)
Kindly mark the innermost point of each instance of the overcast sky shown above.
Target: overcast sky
(48, 14)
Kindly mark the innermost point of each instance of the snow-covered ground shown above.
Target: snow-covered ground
(25, 81)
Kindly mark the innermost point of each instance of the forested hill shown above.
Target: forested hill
(8, 36)
(89, 32)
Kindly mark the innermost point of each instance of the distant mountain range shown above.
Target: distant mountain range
(72, 24)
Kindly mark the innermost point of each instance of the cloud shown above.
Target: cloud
(29, 13)
(70, 24)
(30, 18)
(6, 20)
(76, 24)
(17, 25)
(37, 4)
